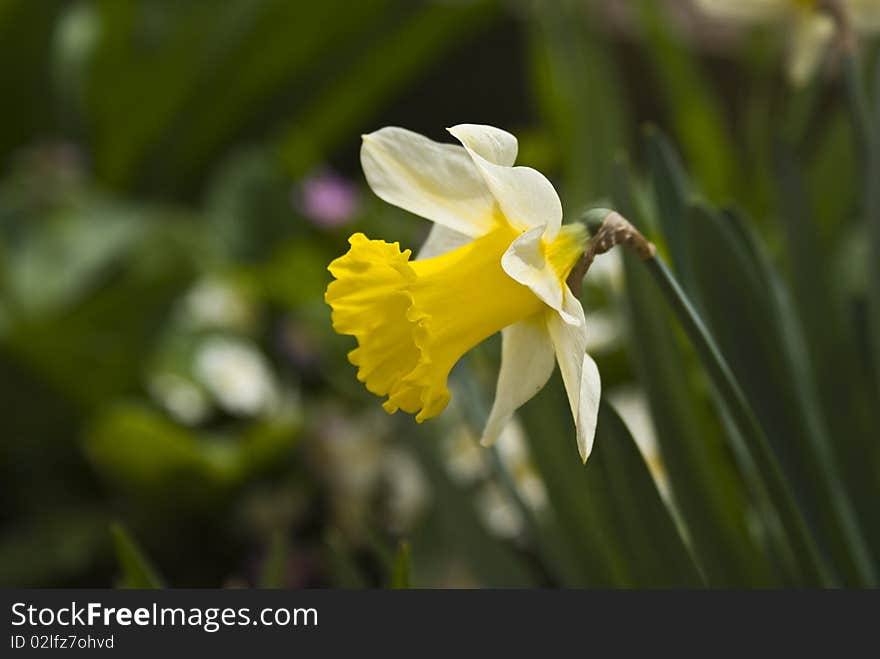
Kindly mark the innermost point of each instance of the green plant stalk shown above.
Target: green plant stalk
(274, 564)
(812, 563)
(866, 134)
(400, 570)
(858, 106)
(873, 215)
(137, 571)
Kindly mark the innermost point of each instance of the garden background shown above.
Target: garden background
(176, 176)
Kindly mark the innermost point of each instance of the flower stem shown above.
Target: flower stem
(613, 230)
(867, 138)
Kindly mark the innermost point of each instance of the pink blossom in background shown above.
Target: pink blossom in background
(327, 199)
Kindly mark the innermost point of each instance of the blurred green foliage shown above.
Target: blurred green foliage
(174, 178)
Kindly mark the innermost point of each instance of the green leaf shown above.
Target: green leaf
(541, 533)
(272, 573)
(695, 107)
(25, 29)
(143, 451)
(810, 562)
(610, 510)
(554, 452)
(53, 544)
(400, 569)
(137, 572)
(186, 80)
(872, 219)
(833, 345)
(344, 570)
(705, 484)
(454, 533)
(151, 59)
(110, 306)
(620, 483)
(248, 210)
(579, 92)
(395, 56)
(707, 490)
(763, 343)
(64, 255)
(289, 47)
(672, 191)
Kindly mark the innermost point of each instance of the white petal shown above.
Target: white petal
(441, 240)
(588, 407)
(495, 145)
(570, 342)
(810, 37)
(579, 372)
(526, 198)
(436, 181)
(526, 365)
(524, 261)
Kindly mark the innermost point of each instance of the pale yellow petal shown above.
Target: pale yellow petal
(525, 196)
(746, 11)
(436, 181)
(495, 145)
(588, 406)
(526, 263)
(526, 364)
(810, 37)
(579, 372)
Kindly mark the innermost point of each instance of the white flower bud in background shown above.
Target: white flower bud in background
(605, 332)
(362, 469)
(237, 375)
(407, 489)
(215, 304)
(632, 406)
(498, 512)
(808, 25)
(607, 274)
(514, 454)
(606, 327)
(183, 400)
(466, 461)
(348, 453)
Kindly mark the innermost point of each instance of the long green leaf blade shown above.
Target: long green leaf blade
(400, 569)
(137, 571)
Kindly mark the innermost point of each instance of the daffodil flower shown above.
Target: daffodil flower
(810, 28)
(496, 259)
